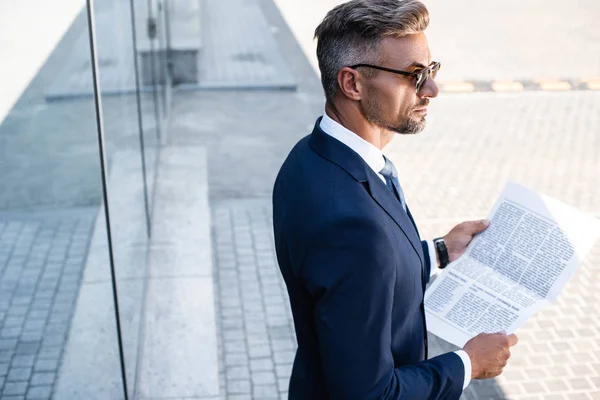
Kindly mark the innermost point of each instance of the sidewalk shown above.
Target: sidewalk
(451, 172)
(188, 301)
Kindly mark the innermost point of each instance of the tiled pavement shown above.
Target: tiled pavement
(558, 356)
(239, 50)
(455, 170)
(451, 172)
(41, 261)
(257, 342)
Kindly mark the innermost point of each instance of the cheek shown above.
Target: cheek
(403, 100)
(396, 102)
(405, 104)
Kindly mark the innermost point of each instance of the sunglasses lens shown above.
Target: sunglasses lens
(426, 74)
(436, 69)
(422, 79)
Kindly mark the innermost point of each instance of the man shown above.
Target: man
(347, 245)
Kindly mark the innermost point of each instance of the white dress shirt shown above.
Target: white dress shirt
(373, 157)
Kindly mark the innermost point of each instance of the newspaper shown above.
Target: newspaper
(513, 269)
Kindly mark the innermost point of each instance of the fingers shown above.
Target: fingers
(512, 340)
(490, 353)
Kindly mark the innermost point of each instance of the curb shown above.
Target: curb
(545, 85)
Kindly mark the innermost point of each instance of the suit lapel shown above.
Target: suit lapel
(386, 200)
(343, 156)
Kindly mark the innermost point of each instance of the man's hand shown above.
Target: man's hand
(461, 235)
(489, 353)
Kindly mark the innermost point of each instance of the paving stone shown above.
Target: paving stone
(557, 384)
(10, 333)
(266, 392)
(580, 384)
(263, 378)
(18, 374)
(39, 392)
(236, 359)
(240, 397)
(284, 357)
(238, 373)
(14, 322)
(261, 364)
(259, 351)
(6, 356)
(43, 378)
(238, 387)
(23, 361)
(46, 365)
(7, 344)
(14, 388)
(283, 370)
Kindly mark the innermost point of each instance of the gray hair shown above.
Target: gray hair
(351, 34)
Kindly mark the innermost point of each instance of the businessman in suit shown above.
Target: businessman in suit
(347, 245)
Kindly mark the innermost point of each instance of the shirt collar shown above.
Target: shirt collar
(367, 151)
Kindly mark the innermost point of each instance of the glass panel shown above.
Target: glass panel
(131, 98)
(58, 333)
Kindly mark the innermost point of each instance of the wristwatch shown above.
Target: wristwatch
(442, 252)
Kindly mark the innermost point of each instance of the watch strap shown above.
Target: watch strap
(442, 252)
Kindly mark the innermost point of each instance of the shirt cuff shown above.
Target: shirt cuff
(467, 362)
(432, 258)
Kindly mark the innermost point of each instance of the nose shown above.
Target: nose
(430, 89)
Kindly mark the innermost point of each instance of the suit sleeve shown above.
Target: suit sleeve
(349, 272)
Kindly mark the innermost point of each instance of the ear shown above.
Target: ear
(349, 83)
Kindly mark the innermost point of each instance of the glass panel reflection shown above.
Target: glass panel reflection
(57, 322)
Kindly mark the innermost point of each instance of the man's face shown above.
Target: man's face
(391, 101)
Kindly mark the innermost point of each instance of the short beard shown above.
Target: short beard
(404, 125)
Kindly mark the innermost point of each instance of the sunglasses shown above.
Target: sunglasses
(421, 75)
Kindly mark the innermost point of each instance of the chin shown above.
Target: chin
(411, 128)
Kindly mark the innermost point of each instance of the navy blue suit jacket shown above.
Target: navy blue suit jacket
(355, 270)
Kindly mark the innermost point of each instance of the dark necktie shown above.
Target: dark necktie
(391, 180)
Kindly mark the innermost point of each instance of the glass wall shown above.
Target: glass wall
(56, 293)
(131, 120)
(66, 148)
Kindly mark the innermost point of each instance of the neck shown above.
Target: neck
(352, 119)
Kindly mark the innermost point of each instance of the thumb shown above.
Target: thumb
(479, 226)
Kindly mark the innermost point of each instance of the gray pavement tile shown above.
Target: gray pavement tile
(6, 355)
(284, 356)
(18, 374)
(14, 321)
(50, 353)
(283, 370)
(259, 351)
(236, 359)
(43, 378)
(23, 361)
(14, 388)
(241, 386)
(263, 378)
(39, 392)
(266, 392)
(46, 365)
(247, 396)
(10, 332)
(261, 364)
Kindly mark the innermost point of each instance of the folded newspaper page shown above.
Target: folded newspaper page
(513, 269)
